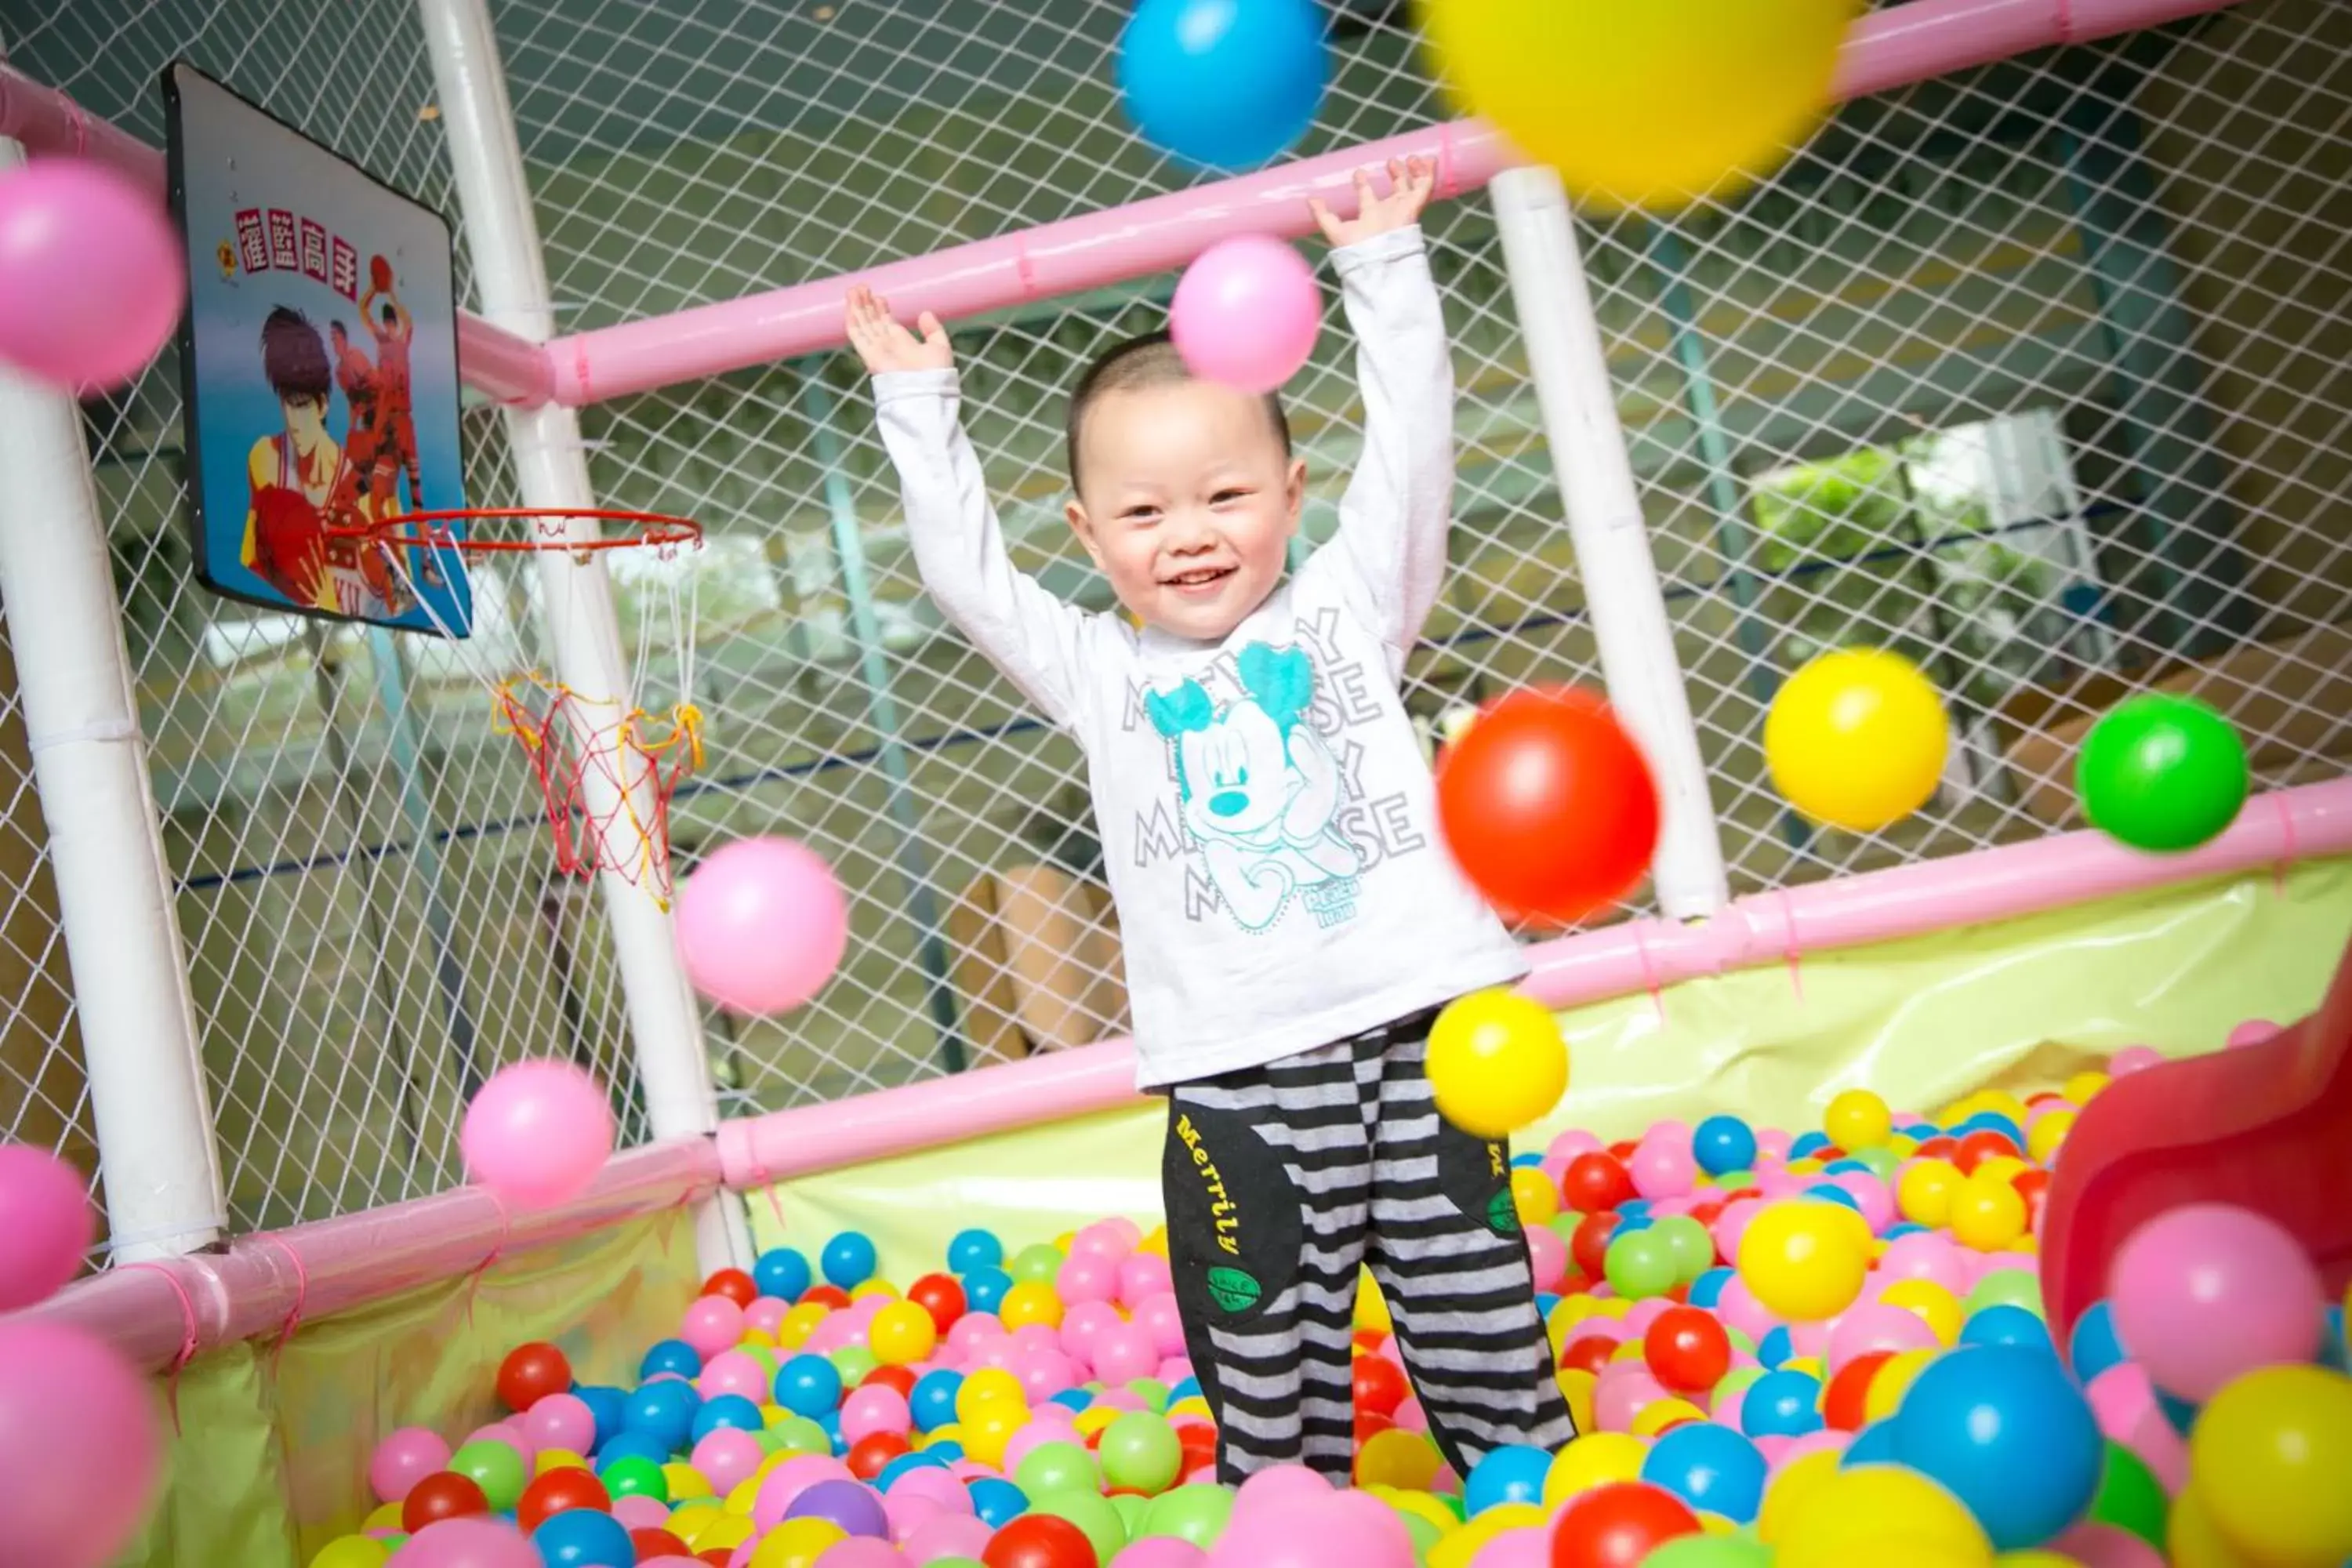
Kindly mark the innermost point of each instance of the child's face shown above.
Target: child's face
(1188, 505)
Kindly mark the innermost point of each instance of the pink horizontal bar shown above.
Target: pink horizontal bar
(490, 359)
(2006, 883)
(254, 1287)
(1924, 38)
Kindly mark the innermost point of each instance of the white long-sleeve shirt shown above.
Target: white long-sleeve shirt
(1269, 825)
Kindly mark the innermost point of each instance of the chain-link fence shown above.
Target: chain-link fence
(2036, 373)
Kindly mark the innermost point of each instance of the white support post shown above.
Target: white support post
(131, 1003)
(576, 599)
(1621, 590)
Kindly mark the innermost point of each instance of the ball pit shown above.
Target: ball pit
(1813, 1349)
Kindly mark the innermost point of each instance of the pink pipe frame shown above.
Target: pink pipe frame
(490, 359)
(1778, 927)
(1888, 49)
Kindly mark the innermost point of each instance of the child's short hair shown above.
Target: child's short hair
(1148, 360)
(294, 357)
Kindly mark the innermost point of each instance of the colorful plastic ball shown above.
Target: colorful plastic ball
(584, 1538)
(2162, 773)
(46, 1223)
(1639, 1266)
(1619, 1525)
(848, 1258)
(1548, 805)
(2007, 1325)
(1857, 1119)
(971, 1250)
(442, 1495)
(761, 926)
(2130, 1497)
(1140, 1452)
(404, 1459)
(1872, 1514)
(670, 1356)
(845, 1503)
(1040, 1540)
(1036, 1264)
(940, 1296)
(496, 1467)
(609, 1406)
(2008, 1433)
(2207, 1291)
(663, 1412)
(1496, 1062)
(80, 1445)
(467, 1543)
(1802, 1261)
(1511, 1473)
(1247, 313)
(354, 1551)
(1711, 1468)
(997, 1501)
(634, 1475)
(1223, 84)
(1089, 1509)
(1687, 1349)
(1856, 738)
(1723, 1143)
(92, 275)
(781, 1272)
(1781, 1405)
(2270, 1457)
(1988, 1213)
(984, 1288)
(902, 1333)
(537, 1133)
(726, 1412)
(1710, 1551)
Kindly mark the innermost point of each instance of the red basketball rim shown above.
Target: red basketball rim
(429, 530)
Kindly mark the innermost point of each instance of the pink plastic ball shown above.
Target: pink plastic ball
(1159, 1317)
(640, 1512)
(1112, 1240)
(1739, 1308)
(907, 1512)
(1625, 1389)
(2132, 1059)
(1522, 1548)
(1643, 1313)
(1160, 1551)
(1877, 1327)
(733, 1372)
(1568, 1146)
(1549, 1255)
(790, 1478)
(948, 1535)
(1927, 1254)
(2252, 1031)
(765, 1314)
(875, 1407)
(537, 1133)
(2096, 1545)
(1829, 1439)
(80, 1445)
(553, 1421)
(1143, 1276)
(1045, 1373)
(2206, 1292)
(1277, 1490)
(728, 1457)
(1247, 313)
(712, 1324)
(937, 1484)
(1772, 1144)
(504, 1432)
(46, 1221)
(762, 925)
(413, 1453)
(92, 276)
(1086, 1277)
(1083, 1324)
(467, 1543)
(862, 1552)
(1410, 1416)
(2161, 1448)
(1174, 1370)
(1662, 1168)
(1877, 1201)
(1124, 1353)
(2120, 1397)
(972, 1328)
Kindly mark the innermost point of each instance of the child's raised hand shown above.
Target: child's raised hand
(885, 345)
(1411, 183)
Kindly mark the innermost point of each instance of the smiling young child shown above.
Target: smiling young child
(1291, 922)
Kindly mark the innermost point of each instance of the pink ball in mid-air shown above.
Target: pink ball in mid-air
(467, 1543)
(46, 1225)
(1247, 313)
(92, 277)
(538, 1133)
(2206, 1292)
(761, 926)
(81, 1446)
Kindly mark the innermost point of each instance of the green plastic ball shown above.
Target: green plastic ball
(1710, 1551)
(1640, 1265)
(1141, 1451)
(2006, 1288)
(634, 1476)
(2130, 1497)
(2162, 774)
(1687, 1240)
(1039, 1262)
(1196, 1513)
(495, 1468)
(853, 1362)
(799, 1435)
(1055, 1468)
(1091, 1511)
(1153, 1391)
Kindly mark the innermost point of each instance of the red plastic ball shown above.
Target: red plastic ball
(831, 1296)
(654, 1543)
(1199, 1441)
(559, 1492)
(1936, 1148)
(1590, 1244)
(444, 1494)
(1687, 1349)
(1548, 805)
(716, 1557)
(733, 1284)
(1842, 1402)
(1370, 1426)
(870, 1453)
(530, 1372)
(1622, 1150)
(1595, 1181)
(1379, 1385)
(1588, 1352)
(1039, 1541)
(1984, 1143)
(940, 1296)
(901, 1378)
(1617, 1526)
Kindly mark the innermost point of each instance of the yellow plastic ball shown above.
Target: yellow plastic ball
(353, 1552)
(548, 1459)
(685, 1481)
(1460, 1548)
(1857, 1120)
(2003, 1101)
(1786, 1494)
(1394, 1458)
(727, 1530)
(1372, 1307)
(1496, 1062)
(1810, 1365)
(1031, 1301)
(384, 1516)
(1155, 1243)
(989, 1386)
(1925, 1189)
(986, 1434)
(1660, 1413)
(2045, 1138)
(1892, 1381)
(1879, 1514)
(1802, 1261)
(2271, 1459)
(1629, 1350)
(2000, 1168)
(1578, 1386)
(1643, 104)
(874, 1288)
(797, 1324)
(1856, 738)
(1988, 1214)
(901, 1334)
(2035, 1558)
(2083, 1087)
(796, 1544)
(1191, 1407)
(1931, 1303)
(1095, 1418)
(1533, 1195)
(1595, 1459)
(1422, 1505)
(742, 1496)
(2193, 1540)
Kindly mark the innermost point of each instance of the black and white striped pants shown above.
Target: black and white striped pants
(1280, 1183)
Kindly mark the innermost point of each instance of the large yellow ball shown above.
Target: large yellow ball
(1857, 738)
(903, 1333)
(2270, 1457)
(1804, 1261)
(1496, 1062)
(1397, 1459)
(1643, 102)
(1595, 1459)
(1987, 1213)
(1879, 1514)
(797, 1543)
(1857, 1120)
(1925, 1189)
(1031, 1301)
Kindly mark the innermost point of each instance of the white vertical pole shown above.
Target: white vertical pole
(1622, 591)
(576, 599)
(131, 1003)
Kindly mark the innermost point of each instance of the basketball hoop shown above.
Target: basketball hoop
(606, 766)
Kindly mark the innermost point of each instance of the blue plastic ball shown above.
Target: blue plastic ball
(2333, 1349)
(829, 1423)
(781, 1272)
(932, 1404)
(848, 1260)
(1775, 1347)
(1188, 1389)
(1629, 1224)
(609, 1406)
(1781, 1405)
(1873, 1445)
(670, 1355)
(1708, 1467)
(2179, 1412)
(584, 1538)
(634, 1444)
(808, 1385)
(998, 1502)
(1723, 1143)
(984, 1288)
(924, 1461)
(2005, 1324)
(1634, 1208)
(1072, 1399)
(2007, 1432)
(1545, 1302)
(664, 1411)
(1846, 1167)
(1707, 1289)
(1807, 1143)
(1225, 84)
(1903, 1227)
(2094, 1346)
(1993, 1122)
(974, 1249)
(726, 1410)
(946, 1453)
(1829, 1191)
(1514, 1473)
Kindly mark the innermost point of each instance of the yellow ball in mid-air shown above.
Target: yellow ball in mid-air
(1496, 1062)
(1644, 103)
(1857, 739)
